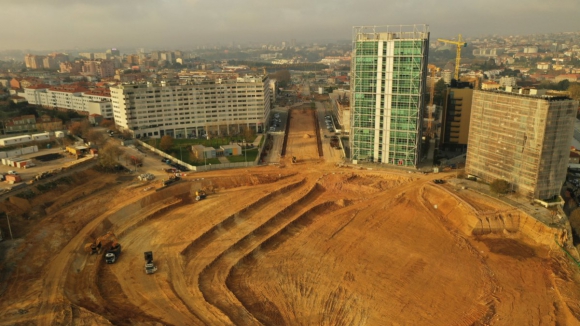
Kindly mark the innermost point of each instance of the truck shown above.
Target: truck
(112, 254)
(150, 267)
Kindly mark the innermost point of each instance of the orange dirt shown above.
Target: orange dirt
(305, 244)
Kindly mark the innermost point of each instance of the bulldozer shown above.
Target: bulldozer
(107, 242)
(200, 194)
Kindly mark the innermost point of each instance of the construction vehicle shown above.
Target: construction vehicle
(107, 242)
(150, 267)
(200, 194)
(112, 254)
(459, 44)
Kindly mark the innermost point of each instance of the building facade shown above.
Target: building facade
(191, 109)
(388, 91)
(521, 138)
(456, 118)
(96, 101)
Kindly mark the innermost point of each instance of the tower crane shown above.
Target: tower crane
(459, 43)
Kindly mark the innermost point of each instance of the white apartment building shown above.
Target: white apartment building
(70, 97)
(192, 108)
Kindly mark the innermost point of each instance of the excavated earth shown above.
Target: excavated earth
(296, 244)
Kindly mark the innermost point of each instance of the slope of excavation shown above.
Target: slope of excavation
(166, 238)
(231, 230)
(212, 280)
(371, 264)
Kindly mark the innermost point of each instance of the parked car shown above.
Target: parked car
(12, 172)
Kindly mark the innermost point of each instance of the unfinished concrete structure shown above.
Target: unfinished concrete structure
(521, 138)
(456, 115)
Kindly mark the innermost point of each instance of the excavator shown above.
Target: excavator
(107, 242)
(200, 194)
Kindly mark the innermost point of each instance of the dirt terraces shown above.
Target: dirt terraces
(309, 243)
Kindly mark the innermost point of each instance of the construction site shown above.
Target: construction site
(307, 241)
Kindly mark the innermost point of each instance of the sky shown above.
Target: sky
(180, 24)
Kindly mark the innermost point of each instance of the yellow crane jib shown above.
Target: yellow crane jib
(459, 43)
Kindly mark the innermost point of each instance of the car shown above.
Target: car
(12, 172)
(272, 129)
(439, 181)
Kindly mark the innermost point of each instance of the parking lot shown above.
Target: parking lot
(331, 143)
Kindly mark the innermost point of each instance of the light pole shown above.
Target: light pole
(245, 154)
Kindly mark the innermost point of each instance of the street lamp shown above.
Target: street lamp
(245, 154)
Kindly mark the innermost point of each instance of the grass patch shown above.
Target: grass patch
(250, 156)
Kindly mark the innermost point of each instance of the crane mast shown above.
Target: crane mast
(459, 44)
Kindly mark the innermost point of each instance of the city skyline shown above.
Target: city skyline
(183, 23)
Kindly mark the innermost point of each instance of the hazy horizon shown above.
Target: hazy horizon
(66, 24)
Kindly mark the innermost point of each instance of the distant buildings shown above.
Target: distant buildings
(388, 86)
(73, 97)
(29, 123)
(192, 108)
(521, 138)
(51, 61)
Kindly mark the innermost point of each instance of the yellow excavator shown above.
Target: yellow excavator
(200, 194)
(107, 242)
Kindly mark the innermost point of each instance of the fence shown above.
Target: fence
(201, 168)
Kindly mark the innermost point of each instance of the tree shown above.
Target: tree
(249, 134)
(109, 124)
(166, 143)
(96, 137)
(499, 186)
(126, 134)
(109, 155)
(574, 91)
(75, 129)
(80, 128)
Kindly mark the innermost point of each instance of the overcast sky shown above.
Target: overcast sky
(179, 24)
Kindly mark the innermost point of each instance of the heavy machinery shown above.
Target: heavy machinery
(459, 43)
(112, 254)
(150, 267)
(107, 242)
(200, 194)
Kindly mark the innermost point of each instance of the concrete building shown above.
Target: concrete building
(34, 61)
(193, 108)
(507, 81)
(455, 118)
(388, 93)
(73, 97)
(25, 123)
(340, 100)
(521, 138)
